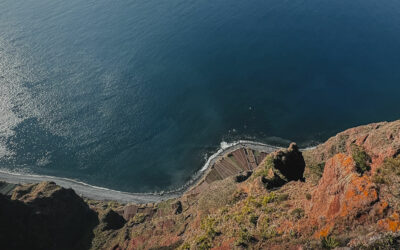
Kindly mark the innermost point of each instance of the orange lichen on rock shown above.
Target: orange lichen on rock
(360, 193)
(391, 223)
(324, 232)
(341, 193)
(381, 207)
(379, 140)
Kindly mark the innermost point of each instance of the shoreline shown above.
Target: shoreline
(100, 193)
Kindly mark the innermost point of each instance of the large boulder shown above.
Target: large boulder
(45, 216)
(283, 166)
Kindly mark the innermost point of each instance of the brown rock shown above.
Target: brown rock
(379, 140)
(241, 177)
(392, 223)
(341, 194)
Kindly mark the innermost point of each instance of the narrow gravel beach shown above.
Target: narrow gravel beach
(100, 193)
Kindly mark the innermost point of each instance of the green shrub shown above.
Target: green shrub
(238, 217)
(329, 242)
(184, 246)
(297, 213)
(241, 215)
(208, 225)
(361, 158)
(139, 218)
(271, 209)
(273, 197)
(308, 196)
(264, 170)
(282, 197)
(378, 178)
(270, 197)
(252, 201)
(203, 242)
(265, 230)
(388, 241)
(269, 233)
(244, 238)
(294, 234)
(389, 170)
(392, 164)
(224, 210)
(317, 169)
(269, 161)
(253, 219)
(113, 204)
(238, 195)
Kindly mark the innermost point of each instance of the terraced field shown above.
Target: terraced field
(242, 159)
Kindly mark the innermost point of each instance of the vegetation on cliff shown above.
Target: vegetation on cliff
(344, 192)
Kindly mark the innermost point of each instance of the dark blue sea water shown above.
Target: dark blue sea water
(134, 94)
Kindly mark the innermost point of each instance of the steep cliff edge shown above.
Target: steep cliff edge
(45, 216)
(343, 193)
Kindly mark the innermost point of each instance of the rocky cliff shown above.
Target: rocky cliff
(45, 216)
(343, 193)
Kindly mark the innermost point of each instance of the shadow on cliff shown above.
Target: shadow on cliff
(45, 216)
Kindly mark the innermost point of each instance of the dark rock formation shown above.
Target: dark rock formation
(290, 162)
(45, 216)
(178, 207)
(112, 220)
(243, 176)
(284, 166)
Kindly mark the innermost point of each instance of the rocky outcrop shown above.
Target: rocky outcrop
(283, 166)
(177, 206)
(111, 220)
(45, 216)
(241, 177)
(342, 196)
(290, 162)
(380, 141)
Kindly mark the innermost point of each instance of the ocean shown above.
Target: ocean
(135, 95)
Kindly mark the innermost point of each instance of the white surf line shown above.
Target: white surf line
(101, 193)
(86, 190)
(230, 147)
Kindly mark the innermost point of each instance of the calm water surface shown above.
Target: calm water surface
(133, 95)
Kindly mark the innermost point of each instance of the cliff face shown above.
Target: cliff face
(344, 192)
(45, 216)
